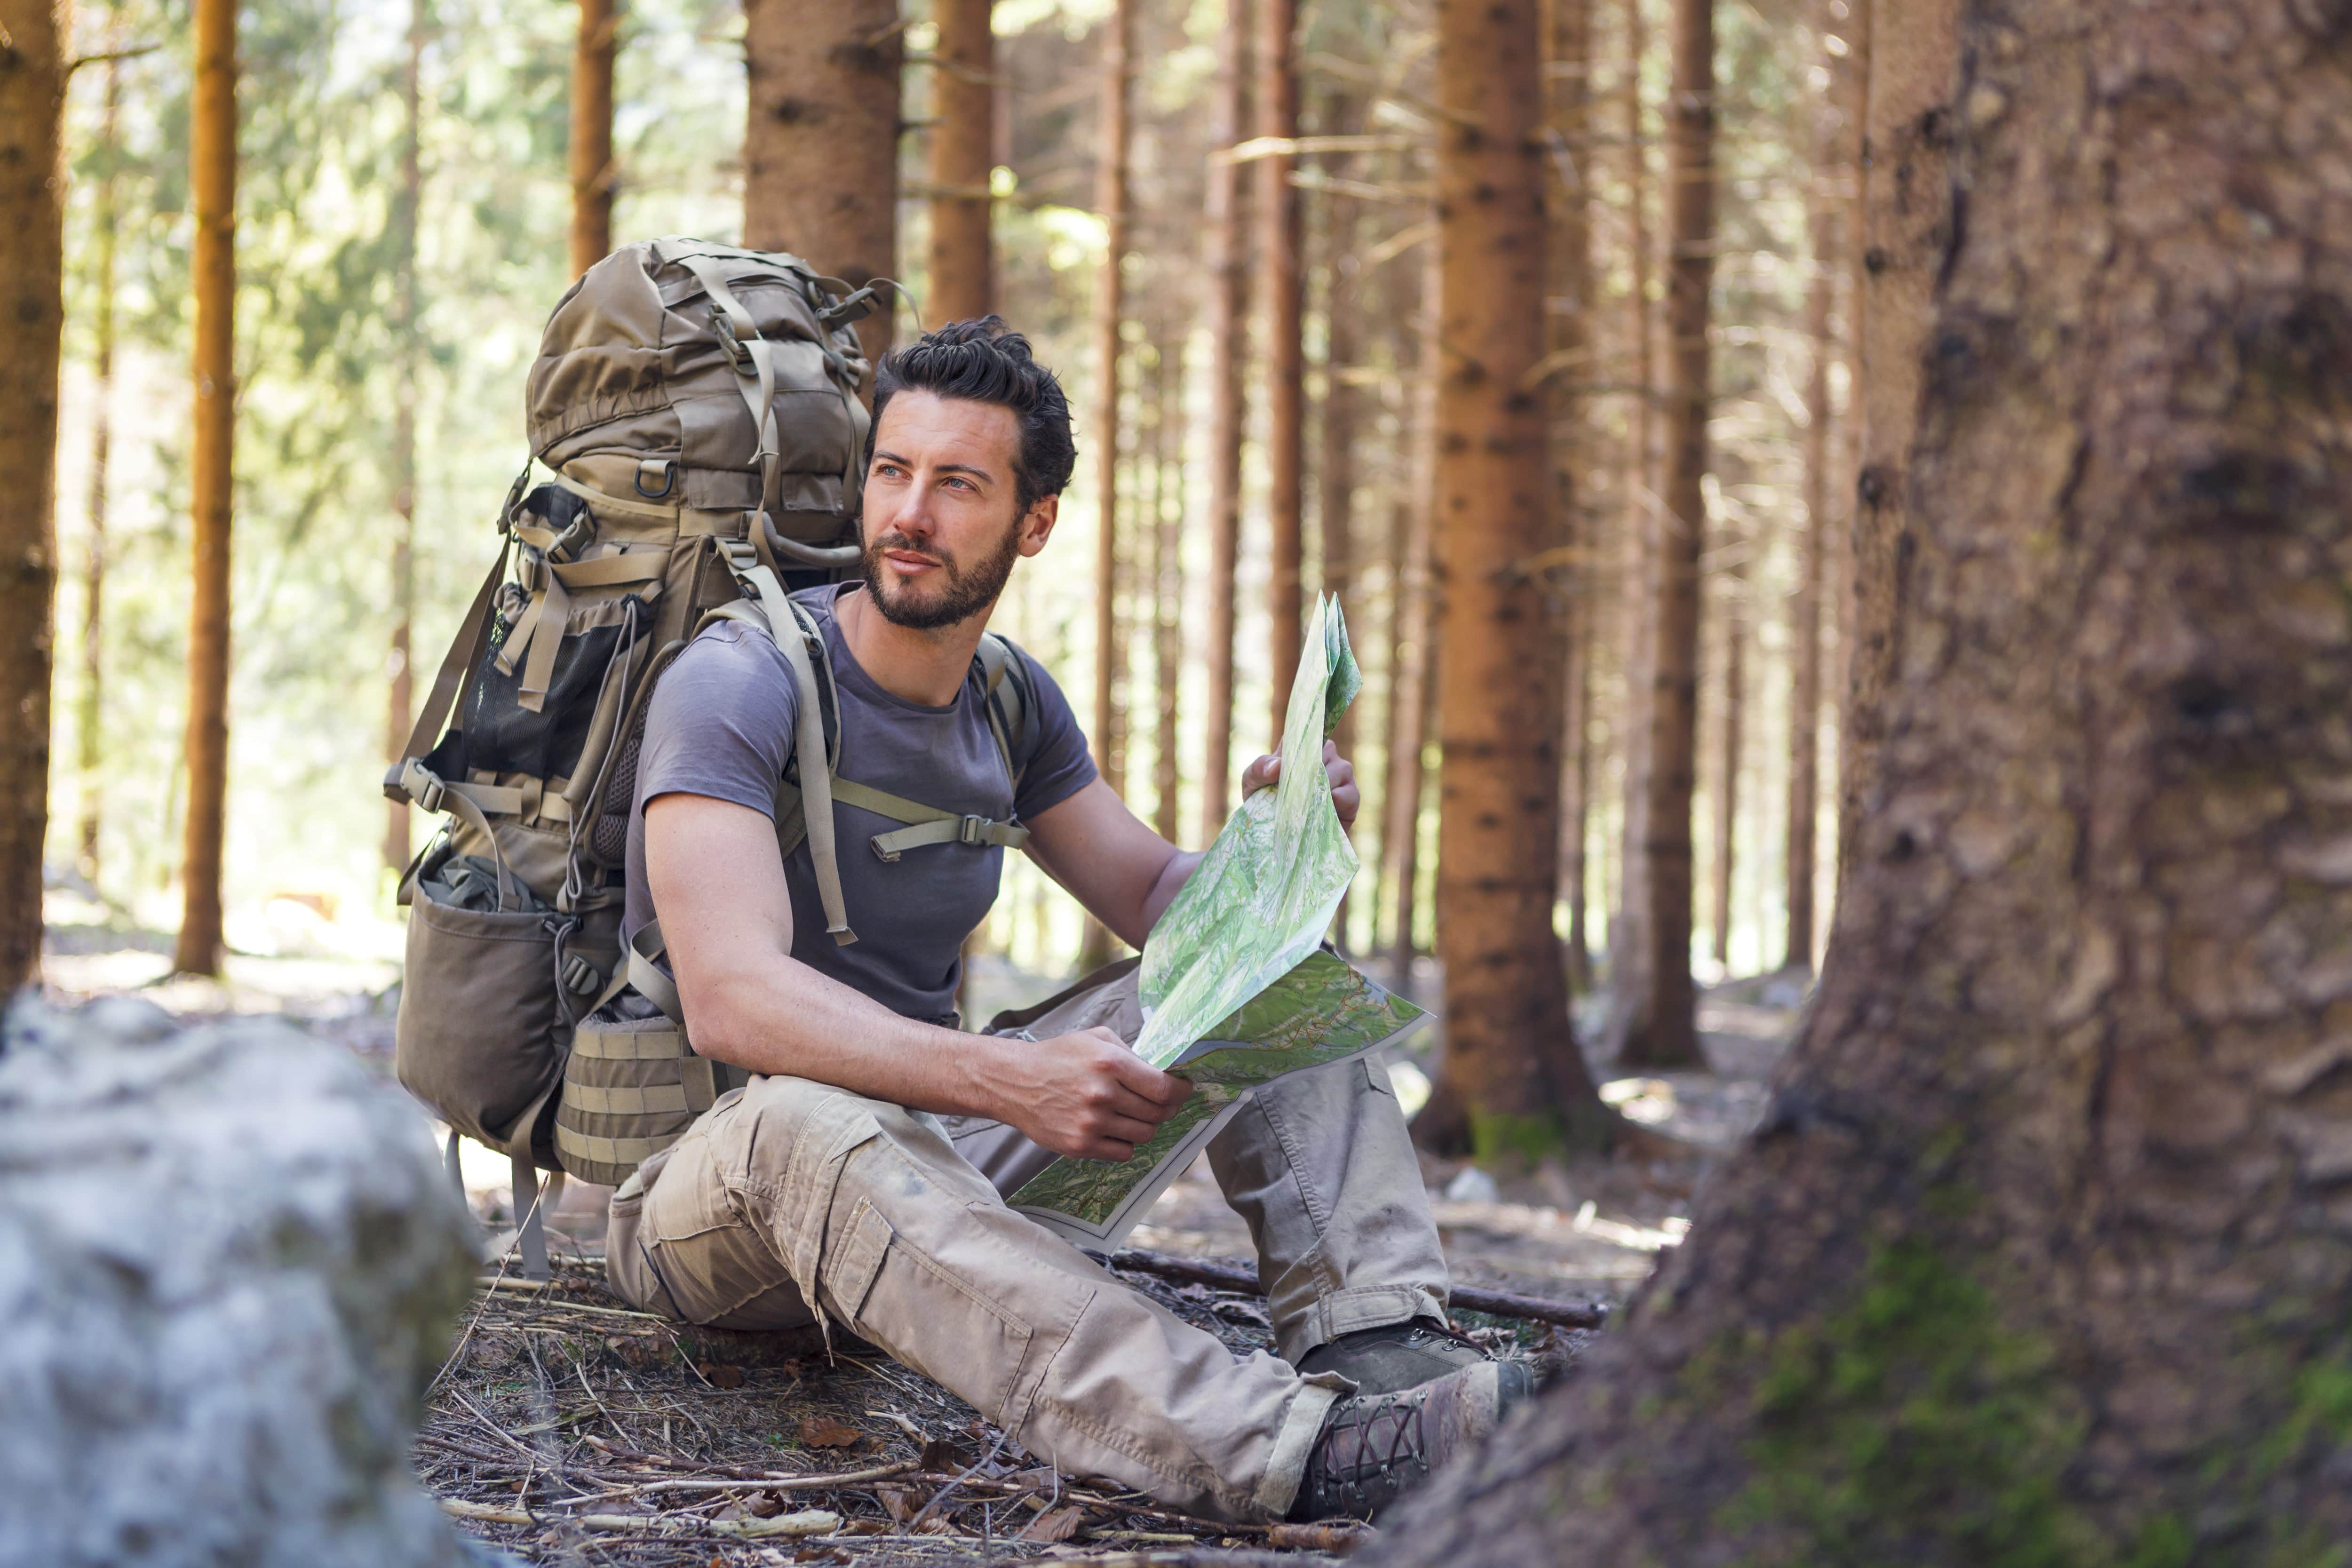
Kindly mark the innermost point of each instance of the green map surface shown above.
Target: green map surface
(1320, 1012)
(1265, 894)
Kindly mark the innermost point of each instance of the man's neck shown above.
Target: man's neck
(925, 668)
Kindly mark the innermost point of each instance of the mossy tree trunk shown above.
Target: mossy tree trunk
(2043, 1250)
(821, 152)
(32, 180)
(1511, 1063)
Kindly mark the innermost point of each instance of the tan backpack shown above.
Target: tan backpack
(694, 410)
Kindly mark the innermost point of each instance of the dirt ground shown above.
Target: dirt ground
(568, 1429)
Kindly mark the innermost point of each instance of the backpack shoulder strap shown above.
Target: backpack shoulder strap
(1006, 677)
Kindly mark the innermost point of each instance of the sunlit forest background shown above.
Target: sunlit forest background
(322, 126)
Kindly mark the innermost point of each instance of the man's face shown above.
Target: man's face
(942, 520)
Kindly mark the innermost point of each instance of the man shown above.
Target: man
(830, 1187)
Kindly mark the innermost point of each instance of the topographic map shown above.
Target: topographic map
(1235, 989)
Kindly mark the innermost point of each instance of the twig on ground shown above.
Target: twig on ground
(808, 1521)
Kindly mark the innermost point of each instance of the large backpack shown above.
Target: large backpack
(694, 414)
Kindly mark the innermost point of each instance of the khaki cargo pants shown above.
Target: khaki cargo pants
(789, 1192)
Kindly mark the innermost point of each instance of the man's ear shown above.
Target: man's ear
(1038, 525)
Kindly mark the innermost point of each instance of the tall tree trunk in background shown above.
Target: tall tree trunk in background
(1111, 200)
(401, 710)
(1628, 944)
(1568, 349)
(1908, 225)
(1664, 1031)
(1335, 504)
(962, 268)
(1734, 586)
(820, 151)
(1510, 1058)
(105, 224)
(1284, 275)
(213, 280)
(2038, 1254)
(1228, 324)
(1825, 215)
(1412, 656)
(1168, 521)
(593, 174)
(32, 185)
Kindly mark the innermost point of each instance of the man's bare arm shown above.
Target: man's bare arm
(1125, 873)
(727, 918)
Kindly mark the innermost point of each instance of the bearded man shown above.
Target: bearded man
(860, 1176)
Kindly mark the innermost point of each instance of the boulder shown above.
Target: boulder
(230, 1267)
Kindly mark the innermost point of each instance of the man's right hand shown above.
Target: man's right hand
(1085, 1094)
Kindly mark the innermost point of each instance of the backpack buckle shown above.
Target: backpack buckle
(973, 830)
(739, 354)
(581, 977)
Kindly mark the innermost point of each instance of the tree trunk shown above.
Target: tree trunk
(1510, 1058)
(106, 225)
(212, 279)
(1664, 1032)
(1627, 944)
(820, 152)
(1285, 355)
(1168, 583)
(32, 104)
(1567, 347)
(962, 266)
(1111, 200)
(593, 174)
(1335, 503)
(2040, 1255)
(1835, 131)
(1734, 590)
(400, 712)
(1909, 221)
(1228, 317)
(1413, 655)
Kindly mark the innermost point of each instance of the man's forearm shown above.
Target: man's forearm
(789, 1019)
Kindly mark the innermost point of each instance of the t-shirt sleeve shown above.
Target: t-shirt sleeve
(720, 722)
(1056, 764)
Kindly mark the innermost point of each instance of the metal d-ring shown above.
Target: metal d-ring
(668, 473)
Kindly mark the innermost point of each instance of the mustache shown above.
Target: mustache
(900, 542)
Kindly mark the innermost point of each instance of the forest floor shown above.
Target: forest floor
(660, 1446)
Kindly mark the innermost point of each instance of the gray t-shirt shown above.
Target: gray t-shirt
(721, 724)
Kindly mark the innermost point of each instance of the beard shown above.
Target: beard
(962, 593)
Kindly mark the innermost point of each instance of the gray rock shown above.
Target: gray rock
(229, 1266)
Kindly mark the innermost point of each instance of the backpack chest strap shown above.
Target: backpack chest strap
(927, 824)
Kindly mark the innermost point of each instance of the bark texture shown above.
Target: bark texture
(1663, 1031)
(962, 270)
(1909, 214)
(1167, 530)
(2044, 1252)
(1228, 318)
(212, 158)
(32, 185)
(1730, 733)
(1111, 200)
(1510, 1060)
(1283, 277)
(1412, 658)
(593, 178)
(821, 152)
(1825, 237)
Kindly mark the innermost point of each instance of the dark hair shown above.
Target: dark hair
(987, 361)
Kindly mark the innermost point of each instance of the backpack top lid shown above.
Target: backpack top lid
(653, 363)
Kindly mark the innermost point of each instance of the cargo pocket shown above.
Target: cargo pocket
(481, 1027)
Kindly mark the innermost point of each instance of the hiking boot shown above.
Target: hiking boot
(1395, 1356)
(1375, 1448)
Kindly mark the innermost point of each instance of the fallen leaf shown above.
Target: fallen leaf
(1058, 1525)
(819, 1554)
(897, 1502)
(865, 1526)
(824, 1431)
(940, 1454)
(764, 1505)
(720, 1375)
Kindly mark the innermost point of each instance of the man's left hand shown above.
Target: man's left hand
(1345, 796)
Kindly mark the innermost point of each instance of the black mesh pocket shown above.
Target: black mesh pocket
(502, 736)
(606, 841)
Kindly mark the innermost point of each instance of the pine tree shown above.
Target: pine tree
(1282, 275)
(963, 139)
(594, 176)
(401, 708)
(1227, 312)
